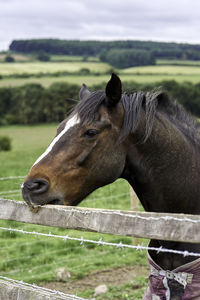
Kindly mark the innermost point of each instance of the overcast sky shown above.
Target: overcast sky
(159, 20)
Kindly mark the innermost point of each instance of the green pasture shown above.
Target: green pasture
(53, 58)
(164, 70)
(51, 67)
(17, 57)
(35, 259)
(91, 79)
(73, 58)
(48, 80)
(181, 71)
(69, 58)
(177, 62)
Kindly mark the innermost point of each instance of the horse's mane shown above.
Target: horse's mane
(133, 103)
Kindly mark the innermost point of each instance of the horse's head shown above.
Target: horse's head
(85, 153)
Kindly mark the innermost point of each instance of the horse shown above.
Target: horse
(144, 137)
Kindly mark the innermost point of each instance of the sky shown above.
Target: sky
(155, 20)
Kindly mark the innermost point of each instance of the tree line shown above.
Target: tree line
(34, 104)
(125, 58)
(96, 48)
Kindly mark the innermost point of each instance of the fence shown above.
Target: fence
(161, 226)
(172, 227)
(15, 290)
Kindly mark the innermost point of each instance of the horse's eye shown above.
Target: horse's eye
(90, 133)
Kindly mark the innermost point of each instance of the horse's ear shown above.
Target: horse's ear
(163, 99)
(84, 92)
(113, 90)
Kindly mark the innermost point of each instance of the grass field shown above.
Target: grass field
(91, 79)
(51, 67)
(17, 57)
(72, 58)
(35, 259)
(53, 58)
(178, 62)
(181, 71)
(164, 70)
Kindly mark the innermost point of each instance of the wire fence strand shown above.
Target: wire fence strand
(101, 242)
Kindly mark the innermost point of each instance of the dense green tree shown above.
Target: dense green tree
(9, 58)
(125, 58)
(43, 56)
(31, 104)
(5, 103)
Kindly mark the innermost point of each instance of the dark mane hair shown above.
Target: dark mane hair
(133, 103)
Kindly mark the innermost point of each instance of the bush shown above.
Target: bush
(43, 57)
(9, 58)
(34, 104)
(5, 143)
(84, 71)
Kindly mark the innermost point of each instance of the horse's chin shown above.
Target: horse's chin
(35, 203)
(55, 202)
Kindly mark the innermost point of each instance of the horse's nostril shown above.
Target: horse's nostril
(36, 186)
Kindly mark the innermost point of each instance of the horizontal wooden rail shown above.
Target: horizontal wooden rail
(160, 226)
(12, 289)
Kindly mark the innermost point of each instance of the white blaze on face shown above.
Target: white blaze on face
(70, 123)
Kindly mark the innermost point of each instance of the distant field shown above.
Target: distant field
(58, 58)
(17, 57)
(50, 67)
(91, 79)
(177, 62)
(164, 70)
(181, 71)
(53, 58)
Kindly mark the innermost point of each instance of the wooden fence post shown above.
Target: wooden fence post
(134, 203)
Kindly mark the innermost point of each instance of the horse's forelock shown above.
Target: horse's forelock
(87, 108)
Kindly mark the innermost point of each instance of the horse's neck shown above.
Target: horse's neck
(164, 171)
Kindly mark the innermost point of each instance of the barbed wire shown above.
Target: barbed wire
(33, 242)
(11, 177)
(101, 242)
(12, 195)
(134, 215)
(36, 287)
(9, 192)
(15, 192)
(127, 214)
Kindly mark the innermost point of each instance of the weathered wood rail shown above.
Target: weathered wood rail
(10, 290)
(171, 227)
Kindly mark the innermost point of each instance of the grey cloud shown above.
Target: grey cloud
(167, 20)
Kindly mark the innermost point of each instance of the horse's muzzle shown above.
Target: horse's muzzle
(34, 191)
